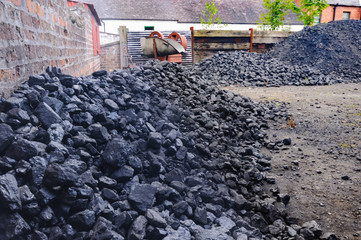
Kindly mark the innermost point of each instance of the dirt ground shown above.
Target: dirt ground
(321, 169)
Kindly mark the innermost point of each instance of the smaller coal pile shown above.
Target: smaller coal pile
(320, 55)
(333, 48)
(154, 152)
(252, 69)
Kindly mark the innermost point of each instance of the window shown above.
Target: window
(346, 15)
(149, 28)
(317, 19)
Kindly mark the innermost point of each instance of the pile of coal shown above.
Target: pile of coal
(253, 69)
(320, 55)
(154, 152)
(333, 48)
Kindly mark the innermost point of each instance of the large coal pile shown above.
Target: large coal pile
(252, 69)
(149, 153)
(333, 48)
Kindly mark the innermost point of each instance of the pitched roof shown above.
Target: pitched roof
(354, 3)
(186, 11)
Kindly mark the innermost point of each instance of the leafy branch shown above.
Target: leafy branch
(308, 10)
(277, 10)
(209, 18)
(274, 17)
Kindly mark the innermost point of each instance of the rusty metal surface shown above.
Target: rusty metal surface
(136, 52)
(164, 47)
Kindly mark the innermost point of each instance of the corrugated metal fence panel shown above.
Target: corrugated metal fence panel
(136, 53)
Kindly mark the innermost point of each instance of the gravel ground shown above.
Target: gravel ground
(321, 168)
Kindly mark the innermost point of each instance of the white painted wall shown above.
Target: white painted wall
(108, 38)
(111, 26)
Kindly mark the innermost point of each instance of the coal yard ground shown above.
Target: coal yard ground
(321, 168)
(160, 151)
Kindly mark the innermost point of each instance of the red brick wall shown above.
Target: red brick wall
(110, 56)
(327, 14)
(37, 34)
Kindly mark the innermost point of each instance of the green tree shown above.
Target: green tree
(209, 18)
(275, 15)
(308, 10)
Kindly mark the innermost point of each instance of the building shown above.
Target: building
(38, 34)
(341, 10)
(178, 15)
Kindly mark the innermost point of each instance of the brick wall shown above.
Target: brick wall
(110, 56)
(35, 34)
(327, 14)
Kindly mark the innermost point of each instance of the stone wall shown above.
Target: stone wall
(37, 34)
(110, 56)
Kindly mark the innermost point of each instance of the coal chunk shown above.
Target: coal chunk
(47, 214)
(175, 174)
(117, 152)
(110, 195)
(200, 216)
(108, 182)
(36, 80)
(99, 133)
(60, 175)
(54, 103)
(155, 140)
(287, 141)
(56, 132)
(111, 104)
(284, 197)
(9, 192)
(15, 227)
(156, 233)
(83, 221)
(155, 219)
(180, 207)
(180, 233)
(99, 73)
(47, 115)
(23, 149)
(45, 196)
(102, 230)
(138, 229)
(19, 114)
(125, 173)
(218, 233)
(26, 195)
(142, 196)
(6, 136)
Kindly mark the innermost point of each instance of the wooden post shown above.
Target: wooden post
(123, 47)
